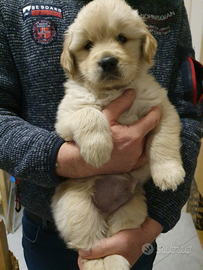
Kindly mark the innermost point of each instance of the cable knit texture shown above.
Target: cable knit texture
(31, 87)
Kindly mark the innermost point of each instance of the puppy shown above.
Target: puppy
(107, 50)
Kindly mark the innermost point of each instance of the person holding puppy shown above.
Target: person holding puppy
(31, 87)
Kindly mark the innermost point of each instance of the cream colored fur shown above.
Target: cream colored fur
(80, 119)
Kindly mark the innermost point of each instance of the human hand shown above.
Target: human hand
(129, 142)
(127, 243)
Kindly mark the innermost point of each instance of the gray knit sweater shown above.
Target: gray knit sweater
(31, 87)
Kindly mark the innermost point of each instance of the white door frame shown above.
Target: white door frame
(195, 14)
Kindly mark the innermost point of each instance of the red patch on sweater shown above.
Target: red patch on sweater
(44, 32)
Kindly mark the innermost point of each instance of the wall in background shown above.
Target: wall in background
(195, 14)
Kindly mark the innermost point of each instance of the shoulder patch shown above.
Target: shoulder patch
(42, 10)
(44, 32)
(159, 24)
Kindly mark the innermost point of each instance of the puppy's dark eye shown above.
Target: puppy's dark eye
(88, 45)
(122, 39)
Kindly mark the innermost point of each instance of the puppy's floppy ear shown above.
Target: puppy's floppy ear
(149, 45)
(67, 58)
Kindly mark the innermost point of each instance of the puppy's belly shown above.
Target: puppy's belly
(113, 191)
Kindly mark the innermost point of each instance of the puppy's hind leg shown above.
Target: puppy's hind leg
(94, 264)
(131, 215)
(77, 218)
(116, 262)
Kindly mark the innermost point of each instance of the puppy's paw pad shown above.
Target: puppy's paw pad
(168, 176)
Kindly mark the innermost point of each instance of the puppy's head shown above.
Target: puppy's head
(107, 45)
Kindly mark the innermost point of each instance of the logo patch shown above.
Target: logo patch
(44, 32)
(159, 24)
(41, 10)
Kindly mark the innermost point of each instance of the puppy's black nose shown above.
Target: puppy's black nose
(108, 64)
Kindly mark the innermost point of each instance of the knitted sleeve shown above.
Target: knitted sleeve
(165, 207)
(26, 151)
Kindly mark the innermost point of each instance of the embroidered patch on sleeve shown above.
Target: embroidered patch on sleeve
(43, 32)
(42, 10)
(159, 24)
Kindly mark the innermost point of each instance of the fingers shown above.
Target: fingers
(118, 106)
(149, 122)
(122, 103)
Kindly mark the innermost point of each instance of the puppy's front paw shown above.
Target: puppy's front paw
(62, 128)
(97, 150)
(168, 175)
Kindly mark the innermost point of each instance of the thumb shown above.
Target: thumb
(148, 122)
(118, 106)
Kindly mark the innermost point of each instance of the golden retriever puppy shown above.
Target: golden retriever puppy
(107, 50)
